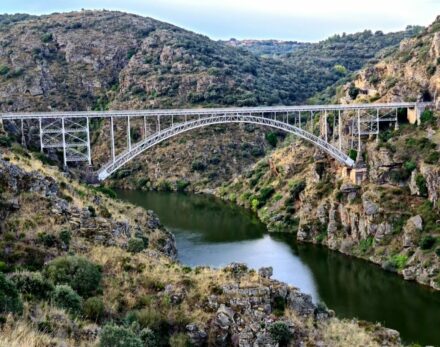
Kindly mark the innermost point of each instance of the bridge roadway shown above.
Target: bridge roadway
(210, 111)
(70, 131)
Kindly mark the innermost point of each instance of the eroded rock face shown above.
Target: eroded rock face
(85, 222)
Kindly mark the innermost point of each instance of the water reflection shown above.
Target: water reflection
(211, 232)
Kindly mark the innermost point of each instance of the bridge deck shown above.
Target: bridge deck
(209, 111)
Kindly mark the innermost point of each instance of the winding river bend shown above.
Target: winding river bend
(211, 232)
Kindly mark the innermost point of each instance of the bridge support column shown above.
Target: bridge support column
(63, 134)
(23, 139)
(340, 130)
(112, 135)
(89, 149)
(41, 134)
(128, 133)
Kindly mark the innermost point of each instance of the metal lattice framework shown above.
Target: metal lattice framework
(333, 129)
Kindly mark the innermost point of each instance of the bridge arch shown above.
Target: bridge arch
(179, 128)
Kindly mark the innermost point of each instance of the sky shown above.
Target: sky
(297, 20)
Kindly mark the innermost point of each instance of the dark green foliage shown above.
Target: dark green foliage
(92, 211)
(93, 308)
(421, 185)
(427, 116)
(427, 242)
(353, 91)
(265, 194)
(135, 245)
(280, 332)
(296, 188)
(32, 284)
(82, 275)
(272, 139)
(65, 297)
(107, 191)
(5, 141)
(65, 236)
(431, 69)
(9, 298)
(48, 240)
(4, 69)
(46, 37)
(116, 336)
(352, 153)
(437, 252)
(366, 244)
(278, 305)
(198, 165)
(148, 338)
(44, 159)
(181, 185)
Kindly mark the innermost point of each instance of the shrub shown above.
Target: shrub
(280, 332)
(82, 275)
(9, 298)
(163, 186)
(92, 211)
(181, 185)
(148, 338)
(32, 284)
(65, 297)
(46, 37)
(352, 153)
(198, 165)
(4, 70)
(5, 141)
(421, 184)
(93, 308)
(427, 116)
(255, 203)
(116, 336)
(48, 240)
(437, 252)
(265, 194)
(272, 139)
(353, 91)
(106, 191)
(135, 245)
(65, 236)
(427, 242)
(396, 262)
(279, 305)
(366, 244)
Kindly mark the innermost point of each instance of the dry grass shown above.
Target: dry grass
(22, 334)
(343, 333)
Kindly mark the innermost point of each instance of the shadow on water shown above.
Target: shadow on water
(211, 232)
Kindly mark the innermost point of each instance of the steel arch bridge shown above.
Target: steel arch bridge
(334, 129)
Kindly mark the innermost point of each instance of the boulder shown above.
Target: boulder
(265, 272)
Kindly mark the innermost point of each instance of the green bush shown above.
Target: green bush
(9, 298)
(427, 242)
(437, 252)
(198, 165)
(32, 284)
(65, 297)
(4, 69)
(135, 245)
(92, 211)
(116, 336)
(65, 236)
(93, 308)
(265, 194)
(148, 338)
(421, 184)
(352, 153)
(82, 275)
(181, 185)
(46, 37)
(107, 191)
(5, 141)
(272, 139)
(280, 332)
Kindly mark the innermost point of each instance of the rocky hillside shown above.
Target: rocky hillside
(410, 73)
(78, 268)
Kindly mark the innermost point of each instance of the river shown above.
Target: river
(211, 232)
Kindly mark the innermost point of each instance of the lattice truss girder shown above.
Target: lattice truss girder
(71, 135)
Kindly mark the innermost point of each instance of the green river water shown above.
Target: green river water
(211, 232)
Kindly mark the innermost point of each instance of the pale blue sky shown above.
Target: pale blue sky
(302, 20)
